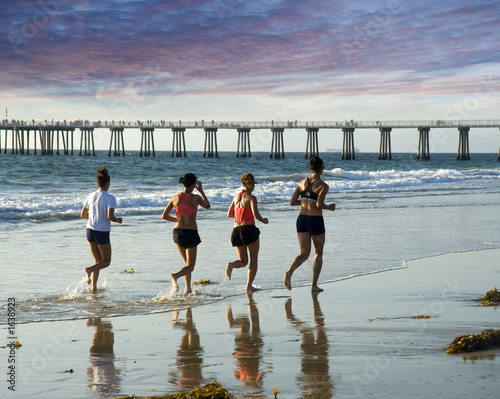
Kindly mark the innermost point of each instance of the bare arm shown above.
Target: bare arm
(295, 200)
(320, 202)
(85, 213)
(203, 201)
(112, 217)
(255, 210)
(230, 211)
(166, 212)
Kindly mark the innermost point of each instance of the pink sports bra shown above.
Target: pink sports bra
(240, 214)
(184, 209)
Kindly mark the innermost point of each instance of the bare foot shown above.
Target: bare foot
(87, 276)
(287, 282)
(94, 289)
(252, 288)
(174, 283)
(315, 288)
(229, 270)
(187, 292)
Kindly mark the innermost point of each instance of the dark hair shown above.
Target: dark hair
(102, 176)
(316, 163)
(188, 179)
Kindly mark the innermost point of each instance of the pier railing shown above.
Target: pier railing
(201, 124)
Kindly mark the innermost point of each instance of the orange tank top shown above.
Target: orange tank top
(241, 214)
(184, 209)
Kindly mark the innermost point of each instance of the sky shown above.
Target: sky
(259, 60)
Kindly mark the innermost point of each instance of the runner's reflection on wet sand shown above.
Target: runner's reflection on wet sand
(103, 377)
(315, 380)
(248, 344)
(189, 355)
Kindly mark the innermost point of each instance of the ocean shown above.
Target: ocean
(388, 212)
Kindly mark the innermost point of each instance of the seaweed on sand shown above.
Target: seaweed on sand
(202, 282)
(491, 298)
(420, 316)
(475, 342)
(213, 390)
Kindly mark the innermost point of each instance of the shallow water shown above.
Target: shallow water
(387, 212)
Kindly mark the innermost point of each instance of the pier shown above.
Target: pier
(57, 138)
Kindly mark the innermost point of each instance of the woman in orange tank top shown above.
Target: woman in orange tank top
(245, 235)
(186, 230)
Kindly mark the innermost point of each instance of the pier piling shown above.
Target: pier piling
(147, 141)
(312, 148)
(65, 141)
(5, 150)
(46, 135)
(384, 151)
(178, 141)
(42, 134)
(87, 137)
(423, 143)
(243, 143)
(117, 138)
(348, 144)
(463, 144)
(277, 145)
(210, 148)
(20, 140)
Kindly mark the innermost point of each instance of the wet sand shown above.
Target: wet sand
(355, 339)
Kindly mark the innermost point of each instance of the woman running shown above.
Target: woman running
(186, 231)
(245, 235)
(310, 194)
(99, 209)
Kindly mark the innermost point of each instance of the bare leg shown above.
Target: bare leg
(174, 276)
(229, 271)
(105, 251)
(88, 278)
(97, 258)
(101, 254)
(95, 276)
(187, 280)
(305, 250)
(175, 286)
(319, 243)
(252, 269)
(241, 262)
(189, 256)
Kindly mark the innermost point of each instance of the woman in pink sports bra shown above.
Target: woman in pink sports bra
(245, 234)
(186, 230)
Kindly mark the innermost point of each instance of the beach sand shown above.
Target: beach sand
(356, 339)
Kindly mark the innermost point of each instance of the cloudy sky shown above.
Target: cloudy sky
(257, 60)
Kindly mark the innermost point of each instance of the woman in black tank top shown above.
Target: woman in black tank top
(310, 224)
